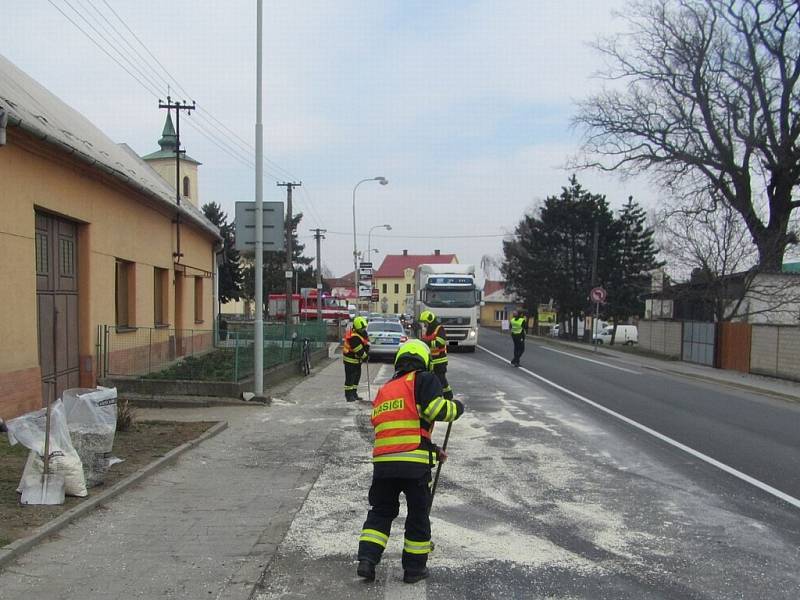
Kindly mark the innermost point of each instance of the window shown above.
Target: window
(159, 296)
(408, 288)
(124, 294)
(198, 299)
(385, 285)
(396, 289)
(395, 304)
(187, 187)
(500, 315)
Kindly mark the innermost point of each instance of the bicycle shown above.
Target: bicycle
(305, 357)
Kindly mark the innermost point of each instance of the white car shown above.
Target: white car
(385, 338)
(626, 334)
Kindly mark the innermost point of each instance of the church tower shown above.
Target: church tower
(163, 162)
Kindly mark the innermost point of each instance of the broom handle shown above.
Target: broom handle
(439, 466)
(50, 399)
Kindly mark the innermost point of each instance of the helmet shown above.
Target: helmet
(359, 323)
(414, 349)
(427, 317)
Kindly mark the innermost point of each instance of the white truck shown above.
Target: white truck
(449, 291)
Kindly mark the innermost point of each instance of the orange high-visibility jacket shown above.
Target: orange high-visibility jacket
(398, 431)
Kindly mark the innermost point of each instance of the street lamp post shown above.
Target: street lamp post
(387, 227)
(382, 181)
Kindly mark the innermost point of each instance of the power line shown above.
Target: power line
(428, 237)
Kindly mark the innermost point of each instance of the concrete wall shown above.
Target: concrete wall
(114, 222)
(661, 337)
(775, 351)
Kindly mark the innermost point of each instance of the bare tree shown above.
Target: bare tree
(709, 245)
(710, 106)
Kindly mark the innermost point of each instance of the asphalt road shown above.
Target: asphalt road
(755, 434)
(545, 496)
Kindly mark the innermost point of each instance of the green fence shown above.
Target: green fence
(200, 355)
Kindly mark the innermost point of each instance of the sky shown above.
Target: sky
(464, 106)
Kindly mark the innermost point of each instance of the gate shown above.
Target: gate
(56, 242)
(734, 346)
(698, 342)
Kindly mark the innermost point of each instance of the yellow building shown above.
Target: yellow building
(394, 279)
(89, 241)
(498, 305)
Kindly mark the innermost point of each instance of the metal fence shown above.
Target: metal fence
(199, 354)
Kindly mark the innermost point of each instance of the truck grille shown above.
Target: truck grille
(446, 321)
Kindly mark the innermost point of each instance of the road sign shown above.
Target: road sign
(245, 225)
(598, 295)
(364, 290)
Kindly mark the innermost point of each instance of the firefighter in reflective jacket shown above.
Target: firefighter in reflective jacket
(436, 338)
(354, 351)
(403, 414)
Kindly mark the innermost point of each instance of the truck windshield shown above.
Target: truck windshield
(450, 298)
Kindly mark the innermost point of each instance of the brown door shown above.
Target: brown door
(57, 301)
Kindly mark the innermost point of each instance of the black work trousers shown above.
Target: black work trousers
(519, 347)
(352, 375)
(440, 371)
(384, 498)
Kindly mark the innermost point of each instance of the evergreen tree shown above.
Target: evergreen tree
(230, 271)
(635, 258)
(552, 254)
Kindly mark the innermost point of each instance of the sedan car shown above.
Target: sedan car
(385, 338)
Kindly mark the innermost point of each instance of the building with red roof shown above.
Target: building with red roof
(395, 279)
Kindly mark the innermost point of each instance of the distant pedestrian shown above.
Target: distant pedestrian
(403, 414)
(436, 338)
(519, 328)
(354, 352)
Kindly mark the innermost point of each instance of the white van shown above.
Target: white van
(626, 334)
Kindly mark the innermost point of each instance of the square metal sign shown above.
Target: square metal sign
(245, 226)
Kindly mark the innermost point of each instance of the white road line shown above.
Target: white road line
(591, 360)
(704, 457)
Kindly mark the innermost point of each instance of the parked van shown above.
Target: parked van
(626, 334)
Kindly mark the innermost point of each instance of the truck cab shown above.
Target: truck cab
(449, 291)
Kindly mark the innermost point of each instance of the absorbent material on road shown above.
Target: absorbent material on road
(205, 527)
(540, 498)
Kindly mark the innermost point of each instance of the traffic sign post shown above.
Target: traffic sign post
(598, 296)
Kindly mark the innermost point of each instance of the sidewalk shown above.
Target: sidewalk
(783, 388)
(205, 527)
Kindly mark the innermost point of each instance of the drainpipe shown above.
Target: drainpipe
(216, 258)
(3, 125)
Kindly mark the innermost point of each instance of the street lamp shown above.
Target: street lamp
(369, 237)
(382, 181)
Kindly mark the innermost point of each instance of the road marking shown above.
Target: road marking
(704, 457)
(591, 360)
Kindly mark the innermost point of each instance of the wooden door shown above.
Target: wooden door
(56, 242)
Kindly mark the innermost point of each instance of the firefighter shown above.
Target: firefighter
(519, 328)
(436, 338)
(354, 352)
(403, 414)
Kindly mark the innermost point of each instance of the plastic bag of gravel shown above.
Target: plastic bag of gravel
(29, 430)
(92, 421)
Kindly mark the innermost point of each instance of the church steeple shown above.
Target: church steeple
(168, 137)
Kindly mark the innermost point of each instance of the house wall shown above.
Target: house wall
(114, 222)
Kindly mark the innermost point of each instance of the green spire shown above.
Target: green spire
(168, 137)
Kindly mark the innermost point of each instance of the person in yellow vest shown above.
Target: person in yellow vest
(436, 338)
(403, 415)
(519, 328)
(354, 352)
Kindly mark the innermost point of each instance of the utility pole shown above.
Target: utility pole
(319, 237)
(178, 107)
(289, 230)
(258, 326)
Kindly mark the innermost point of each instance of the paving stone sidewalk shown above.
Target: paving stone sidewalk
(205, 527)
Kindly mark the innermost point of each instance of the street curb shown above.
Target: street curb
(17, 548)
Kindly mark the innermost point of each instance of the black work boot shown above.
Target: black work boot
(415, 576)
(366, 569)
(350, 396)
